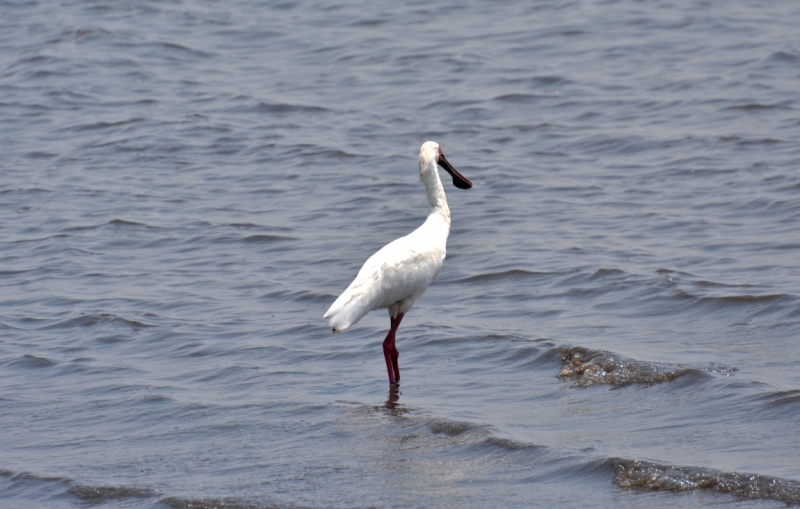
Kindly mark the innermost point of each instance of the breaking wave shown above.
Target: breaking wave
(594, 367)
(646, 476)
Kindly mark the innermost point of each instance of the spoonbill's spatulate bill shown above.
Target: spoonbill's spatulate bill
(397, 275)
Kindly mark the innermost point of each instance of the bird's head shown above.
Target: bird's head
(432, 152)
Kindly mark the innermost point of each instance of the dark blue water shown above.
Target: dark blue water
(185, 187)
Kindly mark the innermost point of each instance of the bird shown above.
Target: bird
(400, 272)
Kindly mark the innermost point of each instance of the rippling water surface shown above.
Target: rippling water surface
(186, 186)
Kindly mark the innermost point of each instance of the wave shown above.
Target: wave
(426, 437)
(642, 475)
(521, 97)
(94, 319)
(299, 296)
(512, 275)
(781, 403)
(477, 440)
(595, 367)
(214, 503)
(457, 440)
(263, 238)
(103, 495)
(277, 108)
(30, 361)
(119, 223)
(758, 107)
(22, 241)
(747, 299)
(93, 126)
(624, 473)
(96, 495)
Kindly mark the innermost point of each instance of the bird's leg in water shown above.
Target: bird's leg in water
(394, 397)
(390, 350)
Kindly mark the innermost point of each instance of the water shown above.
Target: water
(185, 187)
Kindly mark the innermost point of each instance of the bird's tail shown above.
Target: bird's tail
(346, 311)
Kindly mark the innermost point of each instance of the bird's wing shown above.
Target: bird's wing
(397, 271)
(407, 273)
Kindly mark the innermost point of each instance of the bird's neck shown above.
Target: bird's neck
(429, 175)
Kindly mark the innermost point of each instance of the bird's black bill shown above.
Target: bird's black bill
(459, 180)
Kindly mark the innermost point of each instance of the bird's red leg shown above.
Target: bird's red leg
(387, 353)
(390, 351)
(395, 352)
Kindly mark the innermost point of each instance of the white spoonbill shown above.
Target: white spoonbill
(397, 275)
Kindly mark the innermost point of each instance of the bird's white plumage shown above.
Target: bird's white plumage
(400, 272)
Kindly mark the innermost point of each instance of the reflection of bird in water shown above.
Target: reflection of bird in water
(397, 275)
(394, 397)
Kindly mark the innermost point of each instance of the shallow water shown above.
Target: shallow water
(185, 187)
